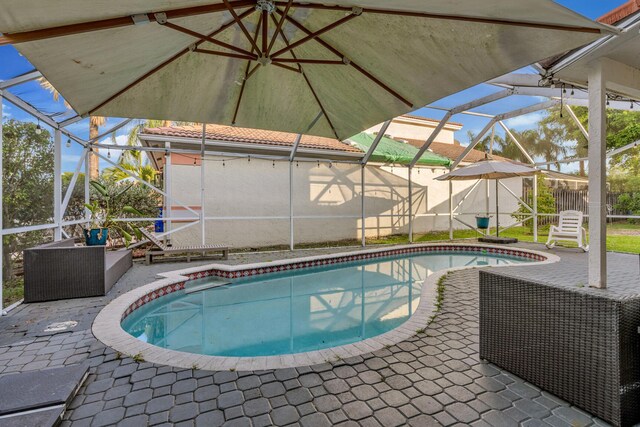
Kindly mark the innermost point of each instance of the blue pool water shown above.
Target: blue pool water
(295, 311)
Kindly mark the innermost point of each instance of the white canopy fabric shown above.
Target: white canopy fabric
(359, 62)
(488, 169)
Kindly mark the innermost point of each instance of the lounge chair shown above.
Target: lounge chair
(569, 229)
(189, 251)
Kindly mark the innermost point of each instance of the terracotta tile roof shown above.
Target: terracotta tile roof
(620, 12)
(252, 136)
(452, 151)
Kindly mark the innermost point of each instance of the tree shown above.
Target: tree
(623, 128)
(506, 147)
(94, 128)
(27, 187)
(528, 139)
(546, 203)
(567, 130)
(134, 160)
(75, 208)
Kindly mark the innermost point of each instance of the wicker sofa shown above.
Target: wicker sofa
(61, 270)
(579, 344)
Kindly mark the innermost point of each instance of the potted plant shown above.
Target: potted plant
(482, 221)
(103, 217)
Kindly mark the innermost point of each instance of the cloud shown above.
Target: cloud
(6, 108)
(526, 121)
(70, 158)
(115, 153)
(120, 140)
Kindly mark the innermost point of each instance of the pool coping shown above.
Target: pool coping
(107, 324)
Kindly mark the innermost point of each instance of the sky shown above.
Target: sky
(12, 64)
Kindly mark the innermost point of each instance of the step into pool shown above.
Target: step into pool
(295, 311)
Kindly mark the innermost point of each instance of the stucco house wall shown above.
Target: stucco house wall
(247, 202)
(409, 127)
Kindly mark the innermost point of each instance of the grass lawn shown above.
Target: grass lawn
(12, 291)
(623, 226)
(615, 242)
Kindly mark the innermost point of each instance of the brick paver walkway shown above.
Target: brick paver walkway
(434, 378)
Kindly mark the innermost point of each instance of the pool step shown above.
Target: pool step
(211, 283)
(39, 397)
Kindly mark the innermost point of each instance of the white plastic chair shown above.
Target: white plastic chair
(569, 229)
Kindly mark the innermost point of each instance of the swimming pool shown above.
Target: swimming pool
(296, 310)
(300, 301)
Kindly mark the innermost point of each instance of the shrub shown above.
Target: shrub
(546, 203)
(629, 203)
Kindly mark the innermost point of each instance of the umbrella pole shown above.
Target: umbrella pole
(497, 213)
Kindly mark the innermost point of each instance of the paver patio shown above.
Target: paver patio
(433, 378)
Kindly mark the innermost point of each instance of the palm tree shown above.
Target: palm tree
(528, 139)
(551, 143)
(94, 128)
(567, 130)
(134, 164)
(133, 160)
(503, 146)
(132, 138)
(486, 145)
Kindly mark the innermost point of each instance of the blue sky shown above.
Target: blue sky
(12, 64)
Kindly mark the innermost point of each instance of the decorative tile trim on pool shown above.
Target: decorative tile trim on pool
(107, 329)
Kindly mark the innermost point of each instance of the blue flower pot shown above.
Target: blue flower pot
(482, 222)
(96, 236)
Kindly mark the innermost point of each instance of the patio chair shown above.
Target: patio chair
(189, 251)
(569, 229)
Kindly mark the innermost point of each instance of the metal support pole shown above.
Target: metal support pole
(294, 150)
(292, 155)
(473, 143)
(375, 142)
(575, 118)
(72, 183)
(166, 180)
(363, 330)
(597, 177)
(497, 211)
(87, 174)
(2, 312)
(535, 209)
(517, 143)
(57, 184)
(202, 189)
(450, 210)
(410, 206)
(488, 200)
(362, 197)
(291, 233)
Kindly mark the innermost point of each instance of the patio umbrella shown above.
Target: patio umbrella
(279, 64)
(490, 169)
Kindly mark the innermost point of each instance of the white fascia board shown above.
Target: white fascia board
(251, 146)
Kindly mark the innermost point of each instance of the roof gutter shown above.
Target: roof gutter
(225, 144)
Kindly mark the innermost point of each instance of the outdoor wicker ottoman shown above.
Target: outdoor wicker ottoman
(581, 344)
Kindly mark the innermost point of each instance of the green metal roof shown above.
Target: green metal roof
(392, 151)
